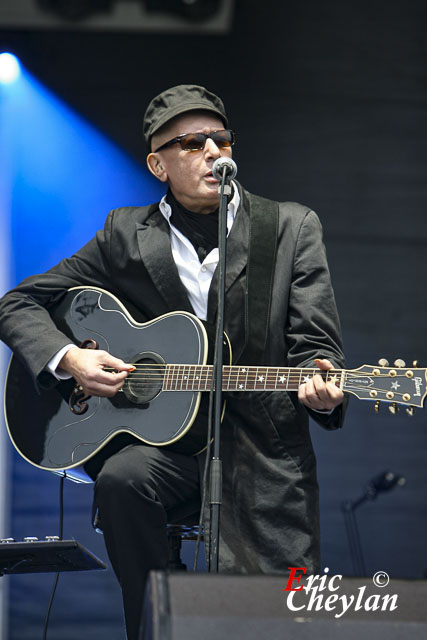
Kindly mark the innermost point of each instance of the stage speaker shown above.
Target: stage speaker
(200, 606)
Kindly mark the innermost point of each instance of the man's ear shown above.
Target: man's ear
(156, 167)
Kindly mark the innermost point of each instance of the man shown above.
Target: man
(163, 258)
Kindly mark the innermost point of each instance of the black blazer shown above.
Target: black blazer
(270, 511)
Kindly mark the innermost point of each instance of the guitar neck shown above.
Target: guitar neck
(238, 378)
(405, 386)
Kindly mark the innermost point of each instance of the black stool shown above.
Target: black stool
(183, 524)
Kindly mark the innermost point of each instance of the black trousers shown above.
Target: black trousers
(134, 490)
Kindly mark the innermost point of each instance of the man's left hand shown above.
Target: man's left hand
(320, 395)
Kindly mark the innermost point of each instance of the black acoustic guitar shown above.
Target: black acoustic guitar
(60, 429)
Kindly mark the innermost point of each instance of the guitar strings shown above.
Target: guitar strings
(193, 375)
(199, 378)
(253, 370)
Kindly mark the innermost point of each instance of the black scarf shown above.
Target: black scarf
(201, 229)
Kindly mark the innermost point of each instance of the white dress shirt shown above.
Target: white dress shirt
(195, 276)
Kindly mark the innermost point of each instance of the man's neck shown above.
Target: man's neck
(177, 204)
(191, 207)
(202, 231)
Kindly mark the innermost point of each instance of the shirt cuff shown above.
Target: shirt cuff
(52, 365)
(327, 412)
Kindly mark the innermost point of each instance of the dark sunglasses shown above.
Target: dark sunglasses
(223, 138)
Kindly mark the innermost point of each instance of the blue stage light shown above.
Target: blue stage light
(59, 176)
(9, 68)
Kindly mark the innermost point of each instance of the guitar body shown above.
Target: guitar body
(49, 435)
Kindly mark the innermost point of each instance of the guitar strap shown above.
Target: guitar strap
(263, 233)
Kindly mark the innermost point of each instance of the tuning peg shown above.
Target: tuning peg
(399, 363)
(377, 406)
(383, 362)
(415, 364)
(393, 408)
(410, 411)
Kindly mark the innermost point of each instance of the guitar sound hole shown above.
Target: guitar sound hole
(145, 383)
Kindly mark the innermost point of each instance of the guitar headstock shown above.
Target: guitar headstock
(397, 385)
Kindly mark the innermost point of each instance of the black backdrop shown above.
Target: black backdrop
(329, 100)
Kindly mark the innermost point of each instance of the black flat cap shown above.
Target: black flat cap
(177, 100)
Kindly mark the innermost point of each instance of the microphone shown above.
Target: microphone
(384, 481)
(224, 165)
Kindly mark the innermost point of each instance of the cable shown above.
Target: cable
(61, 531)
(205, 476)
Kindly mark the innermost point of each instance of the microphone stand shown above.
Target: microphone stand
(215, 482)
(385, 481)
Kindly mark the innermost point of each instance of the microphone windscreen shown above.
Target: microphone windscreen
(222, 164)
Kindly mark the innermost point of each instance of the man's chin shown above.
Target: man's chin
(207, 201)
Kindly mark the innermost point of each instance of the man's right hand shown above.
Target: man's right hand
(87, 366)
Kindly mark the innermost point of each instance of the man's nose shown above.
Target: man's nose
(211, 150)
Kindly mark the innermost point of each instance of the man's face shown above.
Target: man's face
(189, 173)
